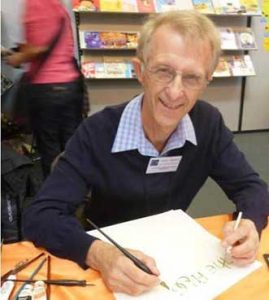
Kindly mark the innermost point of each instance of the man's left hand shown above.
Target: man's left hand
(244, 241)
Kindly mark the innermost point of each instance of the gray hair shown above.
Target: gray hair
(190, 24)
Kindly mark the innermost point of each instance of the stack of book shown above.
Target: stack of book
(228, 66)
(108, 68)
(108, 40)
(234, 65)
(237, 38)
(151, 6)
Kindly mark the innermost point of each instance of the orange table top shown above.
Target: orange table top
(254, 286)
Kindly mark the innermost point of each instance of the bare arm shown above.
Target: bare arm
(27, 53)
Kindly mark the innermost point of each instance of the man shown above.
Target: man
(118, 154)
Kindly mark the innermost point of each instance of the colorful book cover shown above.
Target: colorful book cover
(228, 38)
(92, 40)
(222, 69)
(241, 65)
(226, 6)
(111, 5)
(88, 69)
(245, 38)
(129, 6)
(203, 6)
(217, 7)
(116, 68)
(100, 70)
(250, 6)
(165, 5)
(132, 39)
(230, 6)
(85, 5)
(145, 6)
(131, 70)
(113, 39)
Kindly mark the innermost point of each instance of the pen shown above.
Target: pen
(236, 224)
(133, 258)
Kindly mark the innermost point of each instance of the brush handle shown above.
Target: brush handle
(134, 259)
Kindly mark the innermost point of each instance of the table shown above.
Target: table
(254, 286)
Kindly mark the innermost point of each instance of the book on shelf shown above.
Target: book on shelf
(168, 5)
(250, 7)
(203, 6)
(92, 40)
(241, 65)
(223, 68)
(245, 38)
(146, 6)
(228, 38)
(100, 71)
(108, 68)
(226, 6)
(129, 6)
(132, 39)
(117, 69)
(85, 5)
(111, 5)
(108, 40)
(113, 40)
(88, 69)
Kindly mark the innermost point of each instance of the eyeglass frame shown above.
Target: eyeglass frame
(174, 74)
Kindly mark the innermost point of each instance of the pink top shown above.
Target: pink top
(42, 19)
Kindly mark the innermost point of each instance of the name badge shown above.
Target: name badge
(163, 164)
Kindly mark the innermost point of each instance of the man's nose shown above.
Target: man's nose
(175, 87)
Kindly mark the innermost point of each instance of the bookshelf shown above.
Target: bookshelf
(108, 69)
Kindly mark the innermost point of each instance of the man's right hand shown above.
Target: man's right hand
(118, 272)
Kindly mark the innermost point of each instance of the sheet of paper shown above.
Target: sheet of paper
(190, 259)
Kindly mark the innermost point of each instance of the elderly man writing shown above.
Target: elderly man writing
(150, 155)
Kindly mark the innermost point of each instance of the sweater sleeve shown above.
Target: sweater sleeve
(50, 220)
(238, 179)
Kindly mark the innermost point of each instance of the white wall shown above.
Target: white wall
(256, 102)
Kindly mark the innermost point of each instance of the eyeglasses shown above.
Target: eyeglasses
(167, 75)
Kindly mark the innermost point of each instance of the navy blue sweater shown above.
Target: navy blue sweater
(121, 190)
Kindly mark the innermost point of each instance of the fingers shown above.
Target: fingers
(119, 273)
(147, 260)
(127, 278)
(244, 242)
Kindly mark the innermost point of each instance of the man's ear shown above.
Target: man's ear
(138, 67)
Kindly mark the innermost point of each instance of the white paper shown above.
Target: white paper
(189, 258)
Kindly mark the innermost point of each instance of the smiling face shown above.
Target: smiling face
(164, 105)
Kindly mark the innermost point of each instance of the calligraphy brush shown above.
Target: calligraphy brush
(133, 258)
(61, 282)
(20, 267)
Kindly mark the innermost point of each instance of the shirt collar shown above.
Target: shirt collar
(130, 134)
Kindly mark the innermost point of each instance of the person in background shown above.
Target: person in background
(150, 155)
(55, 96)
